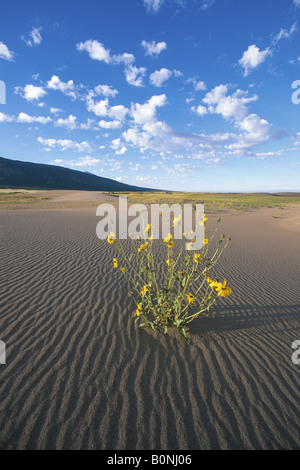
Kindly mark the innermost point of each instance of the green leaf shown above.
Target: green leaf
(182, 332)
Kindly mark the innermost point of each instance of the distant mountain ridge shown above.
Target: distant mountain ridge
(16, 174)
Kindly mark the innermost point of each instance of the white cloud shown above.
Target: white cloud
(134, 75)
(121, 151)
(66, 144)
(110, 124)
(124, 58)
(197, 84)
(252, 58)
(5, 118)
(95, 49)
(158, 77)
(145, 113)
(152, 48)
(5, 53)
(284, 34)
(215, 95)
(36, 37)
(117, 112)
(200, 110)
(256, 131)
(105, 90)
(31, 92)
(65, 87)
(23, 117)
(101, 108)
(234, 106)
(297, 3)
(55, 110)
(153, 5)
(85, 161)
(70, 122)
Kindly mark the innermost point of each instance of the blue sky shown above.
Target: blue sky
(186, 95)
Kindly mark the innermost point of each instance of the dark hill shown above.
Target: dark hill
(17, 174)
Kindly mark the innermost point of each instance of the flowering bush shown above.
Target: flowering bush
(184, 289)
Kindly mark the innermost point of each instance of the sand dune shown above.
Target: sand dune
(81, 375)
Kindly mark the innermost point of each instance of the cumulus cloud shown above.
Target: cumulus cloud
(105, 90)
(152, 48)
(23, 117)
(102, 108)
(66, 144)
(252, 58)
(31, 92)
(67, 88)
(158, 77)
(200, 110)
(197, 84)
(95, 49)
(110, 124)
(5, 53)
(5, 118)
(143, 113)
(134, 75)
(70, 122)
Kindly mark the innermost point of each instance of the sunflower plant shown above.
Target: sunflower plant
(173, 291)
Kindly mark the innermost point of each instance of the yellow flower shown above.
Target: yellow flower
(222, 289)
(168, 261)
(205, 241)
(197, 258)
(142, 246)
(111, 238)
(144, 290)
(115, 263)
(176, 220)
(201, 222)
(168, 238)
(123, 270)
(170, 243)
(181, 273)
(138, 310)
(212, 283)
(131, 293)
(190, 244)
(190, 298)
(148, 228)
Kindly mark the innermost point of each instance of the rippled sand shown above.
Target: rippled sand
(79, 374)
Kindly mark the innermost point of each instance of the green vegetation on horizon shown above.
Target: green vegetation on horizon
(18, 197)
(212, 201)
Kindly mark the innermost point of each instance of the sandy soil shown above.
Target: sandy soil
(79, 374)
